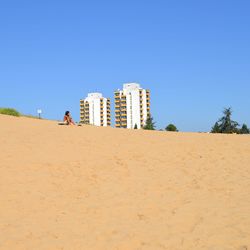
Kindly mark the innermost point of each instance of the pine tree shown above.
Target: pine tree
(225, 124)
(150, 125)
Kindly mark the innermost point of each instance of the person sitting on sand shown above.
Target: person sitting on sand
(68, 119)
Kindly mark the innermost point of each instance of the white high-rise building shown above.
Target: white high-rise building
(132, 106)
(95, 110)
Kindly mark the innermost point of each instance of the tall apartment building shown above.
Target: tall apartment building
(132, 106)
(95, 110)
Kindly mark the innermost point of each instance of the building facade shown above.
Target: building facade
(95, 110)
(132, 106)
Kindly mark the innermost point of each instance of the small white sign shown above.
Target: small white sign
(39, 111)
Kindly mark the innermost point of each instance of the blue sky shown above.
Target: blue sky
(194, 56)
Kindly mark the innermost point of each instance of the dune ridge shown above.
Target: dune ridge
(93, 188)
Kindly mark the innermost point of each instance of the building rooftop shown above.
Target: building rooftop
(131, 85)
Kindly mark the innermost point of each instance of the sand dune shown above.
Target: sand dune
(65, 187)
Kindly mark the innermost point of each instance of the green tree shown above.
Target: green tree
(244, 129)
(216, 128)
(150, 125)
(225, 124)
(135, 127)
(228, 126)
(171, 127)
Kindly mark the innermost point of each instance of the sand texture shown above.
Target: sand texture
(66, 187)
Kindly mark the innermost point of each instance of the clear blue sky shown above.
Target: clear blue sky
(194, 56)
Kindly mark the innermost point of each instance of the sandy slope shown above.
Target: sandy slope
(94, 188)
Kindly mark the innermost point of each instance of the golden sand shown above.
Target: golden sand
(69, 187)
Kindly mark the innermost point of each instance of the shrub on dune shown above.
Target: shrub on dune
(9, 111)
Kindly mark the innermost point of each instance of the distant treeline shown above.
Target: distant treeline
(225, 125)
